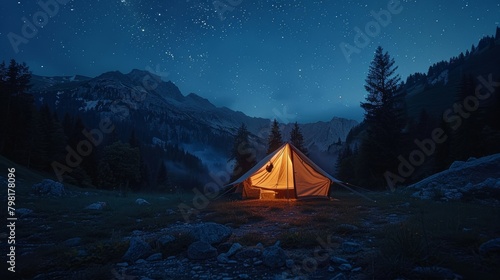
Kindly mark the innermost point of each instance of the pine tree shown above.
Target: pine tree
(467, 132)
(242, 152)
(17, 112)
(345, 165)
(162, 180)
(384, 117)
(119, 166)
(297, 139)
(442, 158)
(275, 140)
(497, 36)
(132, 140)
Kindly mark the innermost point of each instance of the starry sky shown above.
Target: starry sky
(280, 59)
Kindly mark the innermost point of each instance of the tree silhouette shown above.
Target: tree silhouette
(297, 139)
(275, 140)
(384, 116)
(242, 152)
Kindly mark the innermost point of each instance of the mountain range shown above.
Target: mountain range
(160, 113)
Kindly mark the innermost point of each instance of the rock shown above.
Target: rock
(452, 194)
(122, 264)
(138, 232)
(274, 256)
(234, 248)
(331, 268)
(140, 261)
(289, 263)
(357, 269)
(97, 206)
(345, 267)
(435, 272)
(471, 159)
(164, 241)
(137, 249)
(201, 250)
(141, 201)
(339, 276)
(488, 183)
(211, 233)
(22, 212)
(82, 253)
(347, 228)
(457, 164)
(248, 253)
(243, 276)
(73, 242)
(257, 263)
(351, 247)
(155, 257)
(479, 174)
(490, 247)
(222, 258)
(337, 260)
(49, 187)
(469, 187)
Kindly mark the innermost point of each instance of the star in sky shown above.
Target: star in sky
(253, 56)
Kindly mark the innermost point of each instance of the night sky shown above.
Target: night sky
(276, 59)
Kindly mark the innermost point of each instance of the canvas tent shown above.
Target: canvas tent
(285, 173)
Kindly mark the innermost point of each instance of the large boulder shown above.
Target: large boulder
(201, 250)
(165, 241)
(211, 233)
(49, 187)
(137, 249)
(490, 247)
(234, 248)
(351, 247)
(96, 206)
(73, 242)
(23, 212)
(141, 201)
(449, 184)
(248, 253)
(274, 256)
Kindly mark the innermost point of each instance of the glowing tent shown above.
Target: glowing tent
(285, 173)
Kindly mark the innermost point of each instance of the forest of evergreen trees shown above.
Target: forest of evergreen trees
(388, 138)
